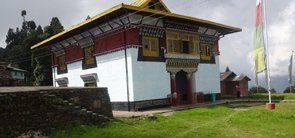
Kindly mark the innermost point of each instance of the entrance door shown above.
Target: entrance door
(181, 86)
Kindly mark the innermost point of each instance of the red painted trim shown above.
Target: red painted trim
(190, 95)
(174, 98)
(69, 62)
(115, 40)
(54, 60)
(73, 53)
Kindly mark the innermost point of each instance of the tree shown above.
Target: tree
(260, 90)
(18, 49)
(39, 73)
(44, 53)
(23, 14)
(2, 53)
(55, 27)
(287, 90)
(273, 90)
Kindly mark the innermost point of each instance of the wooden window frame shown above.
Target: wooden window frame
(147, 50)
(85, 61)
(177, 47)
(61, 60)
(206, 51)
(90, 84)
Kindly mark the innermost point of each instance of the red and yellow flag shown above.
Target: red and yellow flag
(259, 50)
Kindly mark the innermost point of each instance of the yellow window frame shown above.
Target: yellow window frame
(175, 44)
(62, 62)
(88, 55)
(206, 52)
(150, 51)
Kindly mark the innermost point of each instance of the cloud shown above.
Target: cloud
(281, 40)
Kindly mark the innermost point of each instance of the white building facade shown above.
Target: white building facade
(145, 55)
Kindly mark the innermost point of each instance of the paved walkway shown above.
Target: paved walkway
(185, 107)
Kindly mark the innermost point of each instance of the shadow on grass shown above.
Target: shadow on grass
(256, 97)
(244, 104)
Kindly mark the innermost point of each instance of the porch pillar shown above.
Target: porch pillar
(174, 97)
(190, 96)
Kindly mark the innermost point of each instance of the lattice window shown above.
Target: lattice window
(62, 68)
(150, 46)
(88, 56)
(173, 42)
(186, 43)
(206, 52)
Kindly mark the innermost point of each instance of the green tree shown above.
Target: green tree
(39, 73)
(44, 53)
(55, 27)
(2, 53)
(260, 90)
(273, 90)
(287, 90)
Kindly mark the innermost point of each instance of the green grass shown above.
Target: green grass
(216, 121)
(264, 96)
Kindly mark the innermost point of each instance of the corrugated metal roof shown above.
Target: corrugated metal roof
(136, 8)
(139, 3)
(231, 76)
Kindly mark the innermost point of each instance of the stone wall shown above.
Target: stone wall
(48, 108)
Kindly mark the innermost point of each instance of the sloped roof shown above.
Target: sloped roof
(136, 6)
(241, 77)
(231, 76)
(224, 76)
(144, 3)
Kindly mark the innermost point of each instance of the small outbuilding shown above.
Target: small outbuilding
(11, 76)
(232, 84)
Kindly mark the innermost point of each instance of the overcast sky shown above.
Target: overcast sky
(236, 49)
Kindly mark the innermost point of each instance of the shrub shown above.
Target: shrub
(260, 90)
(287, 90)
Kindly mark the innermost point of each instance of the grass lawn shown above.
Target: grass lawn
(215, 121)
(264, 96)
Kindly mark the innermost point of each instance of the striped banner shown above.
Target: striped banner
(259, 47)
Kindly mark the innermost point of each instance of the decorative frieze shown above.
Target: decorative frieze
(153, 32)
(180, 26)
(208, 39)
(182, 63)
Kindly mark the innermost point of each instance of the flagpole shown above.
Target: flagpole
(290, 72)
(267, 49)
(256, 81)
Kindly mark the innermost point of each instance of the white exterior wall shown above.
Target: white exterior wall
(207, 78)
(150, 79)
(147, 80)
(110, 71)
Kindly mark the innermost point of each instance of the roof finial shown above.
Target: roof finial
(227, 69)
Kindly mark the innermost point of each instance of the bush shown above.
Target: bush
(287, 90)
(260, 90)
(273, 90)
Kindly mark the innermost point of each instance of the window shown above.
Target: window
(150, 46)
(182, 43)
(172, 42)
(89, 60)
(88, 55)
(185, 47)
(205, 52)
(92, 84)
(62, 68)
